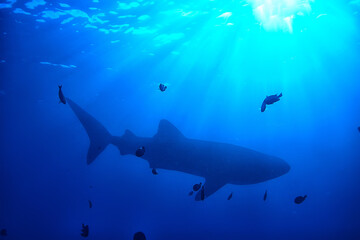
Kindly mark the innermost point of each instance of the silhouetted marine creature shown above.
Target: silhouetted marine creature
(196, 187)
(202, 193)
(162, 87)
(265, 195)
(90, 204)
(154, 171)
(270, 100)
(300, 199)
(230, 196)
(61, 96)
(359, 129)
(85, 230)
(191, 193)
(140, 151)
(218, 163)
(139, 236)
(3, 232)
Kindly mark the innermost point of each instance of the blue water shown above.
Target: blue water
(219, 60)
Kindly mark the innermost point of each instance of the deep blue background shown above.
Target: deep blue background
(217, 78)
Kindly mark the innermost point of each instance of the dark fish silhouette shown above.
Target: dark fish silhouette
(3, 232)
(162, 87)
(300, 199)
(219, 163)
(202, 193)
(61, 96)
(85, 230)
(139, 236)
(140, 152)
(154, 171)
(90, 204)
(230, 196)
(270, 100)
(265, 195)
(196, 187)
(359, 129)
(191, 193)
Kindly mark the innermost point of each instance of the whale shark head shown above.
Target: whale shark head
(275, 167)
(282, 167)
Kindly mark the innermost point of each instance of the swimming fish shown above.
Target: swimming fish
(191, 193)
(61, 96)
(202, 192)
(140, 151)
(3, 232)
(359, 129)
(85, 230)
(300, 199)
(154, 171)
(162, 87)
(230, 196)
(265, 195)
(139, 236)
(196, 187)
(270, 100)
(90, 204)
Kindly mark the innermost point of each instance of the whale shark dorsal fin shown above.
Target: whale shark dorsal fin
(128, 134)
(168, 131)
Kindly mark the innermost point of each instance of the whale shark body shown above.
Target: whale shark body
(218, 163)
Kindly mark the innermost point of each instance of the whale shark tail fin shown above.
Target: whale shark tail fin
(98, 135)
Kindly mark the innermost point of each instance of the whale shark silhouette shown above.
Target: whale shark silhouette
(218, 163)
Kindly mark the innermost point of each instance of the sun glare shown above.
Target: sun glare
(278, 15)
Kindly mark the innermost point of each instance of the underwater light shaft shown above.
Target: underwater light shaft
(275, 15)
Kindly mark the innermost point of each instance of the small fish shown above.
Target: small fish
(3, 232)
(140, 151)
(61, 96)
(191, 193)
(139, 236)
(270, 100)
(300, 199)
(85, 230)
(162, 87)
(90, 204)
(230, 196)
(359, 129)
(202, 193)
(196, 187)
(265, 195)
(154, 171)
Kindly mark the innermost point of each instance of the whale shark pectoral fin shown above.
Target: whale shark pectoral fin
(211, 185)
(167, 131)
